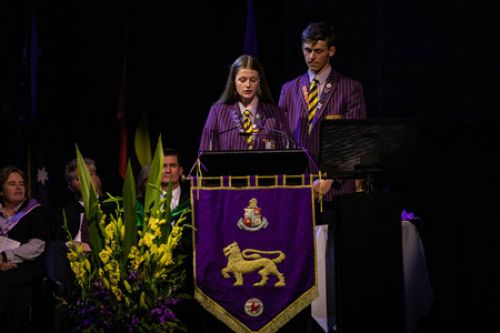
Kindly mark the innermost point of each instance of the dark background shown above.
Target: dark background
(433, 61)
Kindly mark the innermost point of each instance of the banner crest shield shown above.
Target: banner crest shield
(254, 253)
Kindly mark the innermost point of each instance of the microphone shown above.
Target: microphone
(216, 134)
(260, 120)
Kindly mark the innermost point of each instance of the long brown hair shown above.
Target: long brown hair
(230, 95)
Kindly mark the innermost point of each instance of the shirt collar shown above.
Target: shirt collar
(322, 76)
(252, 107)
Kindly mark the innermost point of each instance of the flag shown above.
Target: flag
(40, 171)
(121, 116)
(32, 139)
(250, 42)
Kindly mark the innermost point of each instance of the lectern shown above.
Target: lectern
(367, 225)
(253, 217)
(253, 162)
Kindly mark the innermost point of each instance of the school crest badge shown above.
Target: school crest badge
(252, 219)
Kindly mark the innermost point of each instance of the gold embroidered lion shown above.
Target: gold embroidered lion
(238, 264)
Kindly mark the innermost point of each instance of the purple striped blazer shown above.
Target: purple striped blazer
(223, 126)
(341, 96)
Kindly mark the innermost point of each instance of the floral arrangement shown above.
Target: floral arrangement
(130, 280)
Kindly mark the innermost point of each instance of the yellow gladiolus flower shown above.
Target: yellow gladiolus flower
(72, 256)
(153, 222)
(104, 255)
(117, 292)
(147, 239)
(114, 278)
(133, 252)
(166, 259)
(110, 231)
(139, 279)
(108, 267)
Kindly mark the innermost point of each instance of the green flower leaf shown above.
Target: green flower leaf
(90, 201)
(135, 285)
(129, 216)
(153, 190)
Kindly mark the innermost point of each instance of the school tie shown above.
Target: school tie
(247, 128)
(313, 102)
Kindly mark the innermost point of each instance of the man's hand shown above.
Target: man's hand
(322, 186)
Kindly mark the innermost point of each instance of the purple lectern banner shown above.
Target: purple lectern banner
(254, 254)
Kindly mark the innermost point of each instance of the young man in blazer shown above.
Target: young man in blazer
(335, 96)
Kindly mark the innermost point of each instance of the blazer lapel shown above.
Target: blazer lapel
(326, 94)
(235, 115)
(304, 90)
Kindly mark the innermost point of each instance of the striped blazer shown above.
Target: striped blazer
(341, 98)
(223, 128)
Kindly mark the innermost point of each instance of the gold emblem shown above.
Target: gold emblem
(334, 117)
(305, 94)
(252, 219)
(238, 263)
(269, 144)
(254, 307)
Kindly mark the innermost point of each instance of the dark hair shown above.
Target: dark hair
(230, 95)
(72, 166)
(173, 152)
(5, 173)
(319, 31)
(143, 177)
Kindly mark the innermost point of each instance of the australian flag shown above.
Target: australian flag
(31, 131)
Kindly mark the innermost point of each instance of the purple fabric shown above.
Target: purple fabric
(250, 45)
(12, 222)
(341, 95)
(288, 212)
(222, 128)
(407, 216)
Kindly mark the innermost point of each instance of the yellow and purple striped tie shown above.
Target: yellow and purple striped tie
(247, 127)
(313, 102)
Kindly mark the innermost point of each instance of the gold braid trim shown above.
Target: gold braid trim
(291, 311)
(219, 312)
(274, 325)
